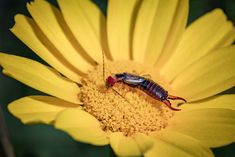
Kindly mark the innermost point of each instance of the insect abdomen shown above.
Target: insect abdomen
(153, 89)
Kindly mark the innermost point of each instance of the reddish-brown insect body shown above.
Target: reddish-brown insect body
(147, 85)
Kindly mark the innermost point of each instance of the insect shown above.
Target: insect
(148, 86)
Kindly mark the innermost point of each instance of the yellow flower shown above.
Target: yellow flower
(142, 37)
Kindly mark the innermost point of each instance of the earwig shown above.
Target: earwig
(148, 86)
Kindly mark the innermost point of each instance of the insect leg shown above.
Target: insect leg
(168, 104)
(148, 76)
(176, 98)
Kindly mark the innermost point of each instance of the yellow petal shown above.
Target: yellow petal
(212, 127)
(203, 36)
(34, 109)
(221, 101)
(27, 31)
(119, 27)
(208, 76)
(170, 143)
(154, 23)
(40, 77)
(143, 141)
(87, 23)
(175, 32)
(57, 32)
(123, 145)
(81, 126)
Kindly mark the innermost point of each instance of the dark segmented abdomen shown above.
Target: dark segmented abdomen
(153, 89)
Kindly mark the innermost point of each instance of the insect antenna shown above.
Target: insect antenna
(120, 95)
(103, 67)
(105, 81)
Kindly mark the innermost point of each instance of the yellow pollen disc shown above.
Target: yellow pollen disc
(132, 112)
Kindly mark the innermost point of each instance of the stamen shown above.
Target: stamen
(140, 113)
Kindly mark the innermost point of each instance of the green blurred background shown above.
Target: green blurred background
(43, 140)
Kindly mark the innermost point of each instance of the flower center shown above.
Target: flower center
(130, 110)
